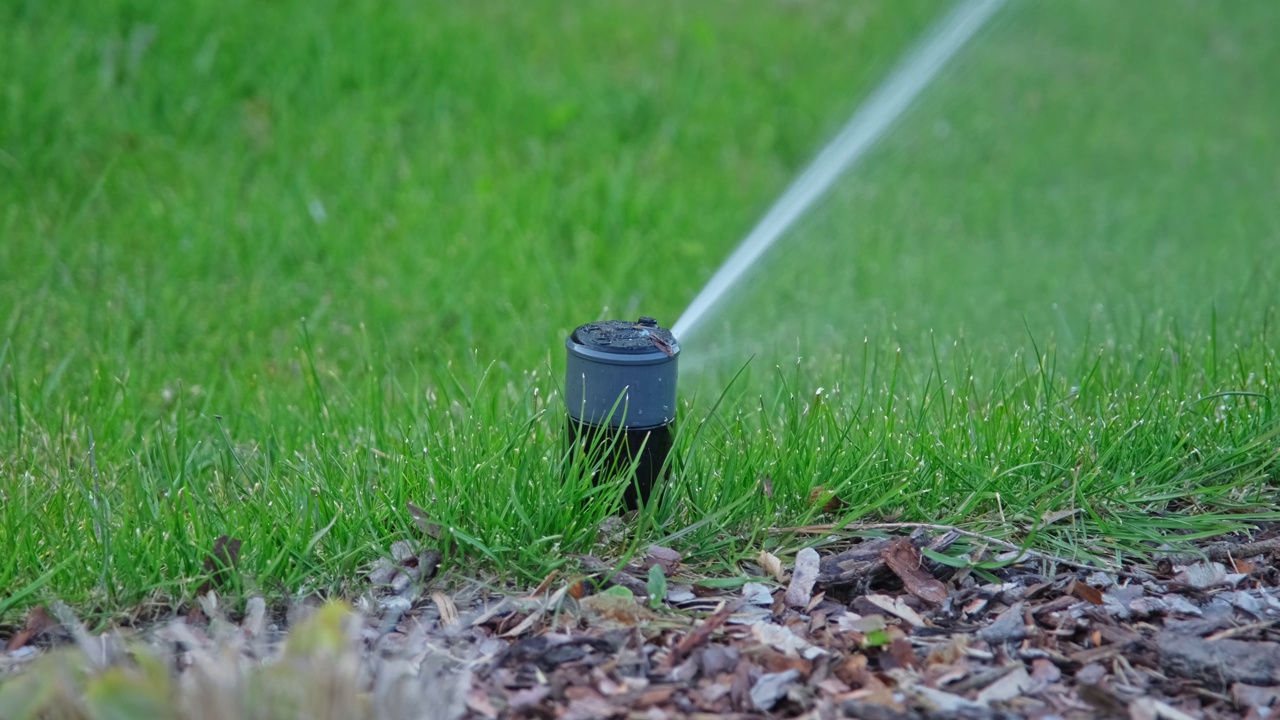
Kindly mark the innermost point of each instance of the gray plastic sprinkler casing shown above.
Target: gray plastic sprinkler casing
(620, 391)
(622, 374)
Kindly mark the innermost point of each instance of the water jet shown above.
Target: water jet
(869, 122)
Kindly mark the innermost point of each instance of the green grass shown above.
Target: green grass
(1063, 264)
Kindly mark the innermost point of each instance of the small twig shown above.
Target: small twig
(1229, 551)
(1241, 630)
(1043, 556)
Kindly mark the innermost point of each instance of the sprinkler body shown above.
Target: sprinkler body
(620, 392)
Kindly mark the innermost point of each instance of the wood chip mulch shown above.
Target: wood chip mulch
(876, 630)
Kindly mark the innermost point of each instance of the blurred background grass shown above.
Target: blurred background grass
(185, 183)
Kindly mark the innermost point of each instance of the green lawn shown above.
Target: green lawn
(294, 265)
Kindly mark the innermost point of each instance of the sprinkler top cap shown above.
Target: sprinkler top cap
(621, 337)
(622, 373)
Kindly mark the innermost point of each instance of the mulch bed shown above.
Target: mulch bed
(871, 629)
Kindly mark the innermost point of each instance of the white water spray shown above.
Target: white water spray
(868, 123)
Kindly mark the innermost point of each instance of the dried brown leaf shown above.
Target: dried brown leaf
(902, 653)
(448, 610)
(666, 557)
(424, 522)
(772, 565)
(38, 620)
(829, 501)
(895, 606)
(1085, 592)
(1243, 566)
(220, 564)
(1202, 574)
(904, 560)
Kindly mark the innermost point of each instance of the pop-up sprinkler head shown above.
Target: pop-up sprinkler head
(620, 390)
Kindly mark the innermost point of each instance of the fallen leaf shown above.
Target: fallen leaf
(220, 564)
(1085, 592)
(852, 622)
(784, 640)
(448, 610)
(38, 620)
(402, 550)
(800, 591)
(829, 501)
(666, 557)
(895, 606)
(902, 653)
(905, 562)
(1202, 574)
(1172, 602)
(1243, 567)
(772, 565)
(424, 522)
(1050, 518)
